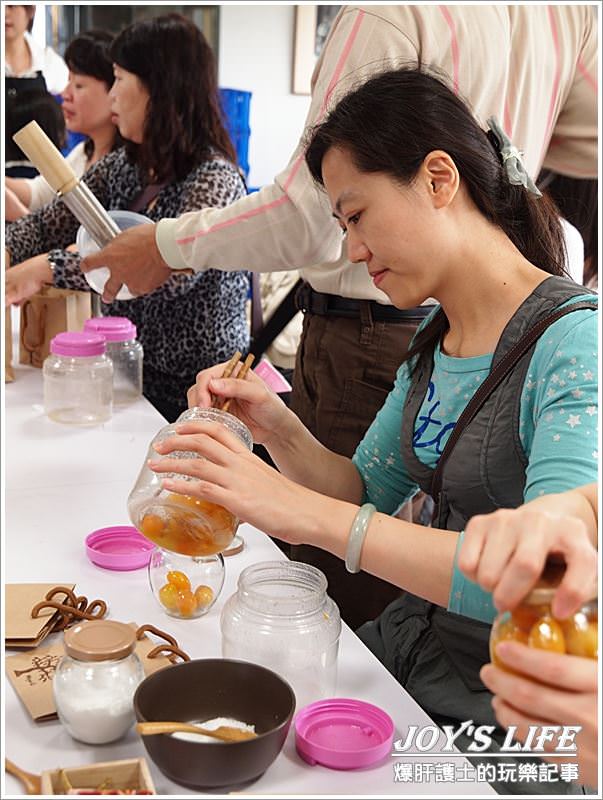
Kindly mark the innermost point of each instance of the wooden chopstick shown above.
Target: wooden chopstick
(242, 374)
(223, 405)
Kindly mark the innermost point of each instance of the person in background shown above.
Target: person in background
(541, 85)
(32, 75)
(24, 57)
(505, 553)
(177, 157)
(435, 207)
(578, 201)
(86, 109)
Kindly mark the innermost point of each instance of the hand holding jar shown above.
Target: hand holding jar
(505, 552)
(224, 472)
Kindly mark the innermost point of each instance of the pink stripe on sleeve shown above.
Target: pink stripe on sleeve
(299, 160)
(508, 123)
(556, 80)
(590, 79)
(454, 45)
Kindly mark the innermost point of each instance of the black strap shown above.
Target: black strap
(496, 376)
(257, 317)
(282, 315)
(142, 200)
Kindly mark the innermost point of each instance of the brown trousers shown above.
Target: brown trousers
(344, 370)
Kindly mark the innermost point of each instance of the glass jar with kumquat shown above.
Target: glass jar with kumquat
(183, 523)
(532, 622)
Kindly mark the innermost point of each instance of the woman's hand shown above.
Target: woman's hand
(253, 402)
(553, 689)
(505, 553)
(231, 476)
(25, 279)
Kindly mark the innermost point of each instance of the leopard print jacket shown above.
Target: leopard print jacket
(188, 323)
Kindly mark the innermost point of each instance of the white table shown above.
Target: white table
(63, 482)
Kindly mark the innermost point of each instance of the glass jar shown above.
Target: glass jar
(282, 618)
(95, 681)
(125, 353)
(78, 379)
(185, 587)
(182, 523)
(532, 622)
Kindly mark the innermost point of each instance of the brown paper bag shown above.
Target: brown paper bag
(9, 372)
(20, 628)
(31, 674)
(47, 313)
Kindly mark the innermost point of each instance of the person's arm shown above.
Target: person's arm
(21, 187)
(54, 226)
(553, 689)
(411, 556)
(13, 207)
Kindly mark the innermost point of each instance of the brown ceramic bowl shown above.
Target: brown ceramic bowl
(204, 689)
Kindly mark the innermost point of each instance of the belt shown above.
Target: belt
(311, 302)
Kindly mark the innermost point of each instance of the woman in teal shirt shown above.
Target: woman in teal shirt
(435, 207)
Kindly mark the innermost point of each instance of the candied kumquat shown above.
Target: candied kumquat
(152, 526)
(169, 596)
(546, 634)
(506, 630)
(187, 604)
(581, 636)
(178, 579)
(204, 596)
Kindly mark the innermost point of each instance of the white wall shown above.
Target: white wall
(256, 55)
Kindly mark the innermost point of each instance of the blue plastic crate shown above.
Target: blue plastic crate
(235, 107)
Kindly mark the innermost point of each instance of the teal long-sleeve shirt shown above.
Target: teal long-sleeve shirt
(557, 427)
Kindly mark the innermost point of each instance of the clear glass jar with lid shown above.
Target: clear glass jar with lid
(78, 379)
(533, 623)
(126, 354)
(282, 618)
(177, 522)
(95, 681)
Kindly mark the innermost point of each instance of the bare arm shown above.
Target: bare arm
(21, 187)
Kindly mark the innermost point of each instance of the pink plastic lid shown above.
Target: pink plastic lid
(78, 343)
(114, 329)
(120, 547)
(341, 733)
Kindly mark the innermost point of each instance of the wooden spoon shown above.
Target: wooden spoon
(225, 733)
(32, 783)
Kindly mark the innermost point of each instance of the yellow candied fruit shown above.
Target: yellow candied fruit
(178, 579)
(152, 526)
(204, 596)
(525, 617)
(581, 636)
(506, 630)
(186, 603)
(546, 634)
(168, 596)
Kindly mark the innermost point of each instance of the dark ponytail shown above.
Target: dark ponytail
(390, 124)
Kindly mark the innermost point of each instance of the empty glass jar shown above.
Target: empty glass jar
(78, 379)
(183, 523)
(282, 618)
(125, 353)
(532, 622)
